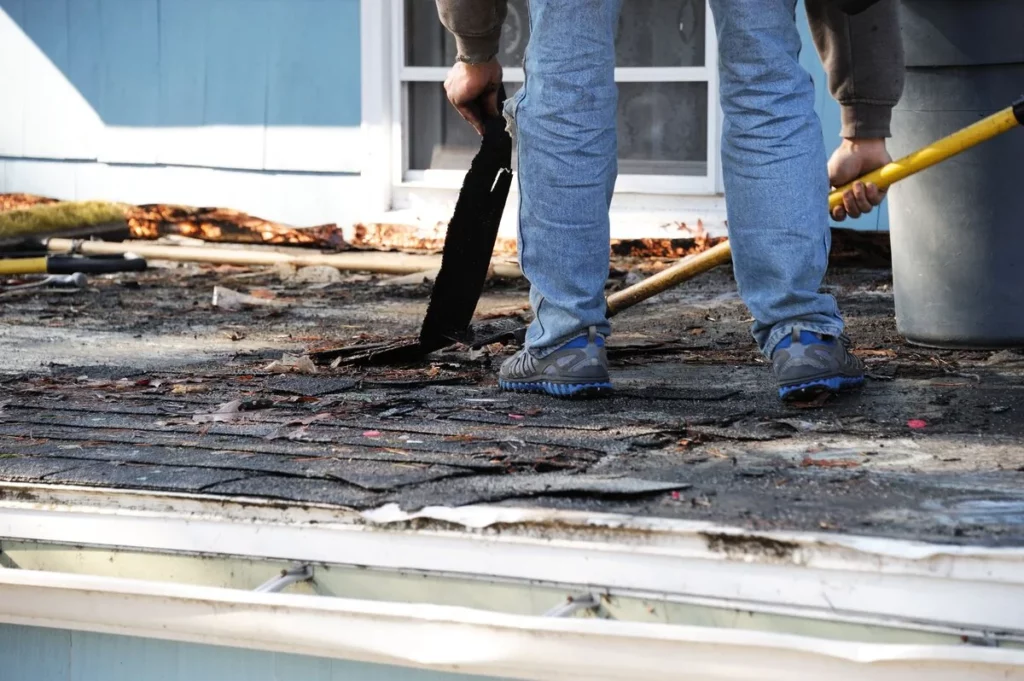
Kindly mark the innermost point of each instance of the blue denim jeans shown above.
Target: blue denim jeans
(773, 158)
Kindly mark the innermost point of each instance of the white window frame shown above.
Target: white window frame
(385, 108)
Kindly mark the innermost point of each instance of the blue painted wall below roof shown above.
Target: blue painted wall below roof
(34, 654)
(250, 84)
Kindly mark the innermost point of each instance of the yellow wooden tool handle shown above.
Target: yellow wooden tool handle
(685, 269)
(11, 266)
(884, 177)
(935, 153)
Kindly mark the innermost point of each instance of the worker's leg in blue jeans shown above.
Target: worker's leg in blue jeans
(776, 187)
(776, 190)
(773, 154)
(774, 166)
(565, 119)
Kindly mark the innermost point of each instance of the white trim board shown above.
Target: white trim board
(952, 586)
(508, 596)
(302, 199)
(633, 215)
(378, 123)
(468, 641)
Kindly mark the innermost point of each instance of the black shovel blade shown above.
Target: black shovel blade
(469, 242)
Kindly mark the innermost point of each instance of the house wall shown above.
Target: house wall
(33, 654)
(252, 104)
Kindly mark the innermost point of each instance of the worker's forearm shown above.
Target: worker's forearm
(863, 57)
(476, 25)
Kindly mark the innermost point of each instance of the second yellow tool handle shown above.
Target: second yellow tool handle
(683, 270)
(935, 153)
(10, 266)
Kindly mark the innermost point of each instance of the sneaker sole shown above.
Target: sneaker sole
(812, 389)
(566, 390)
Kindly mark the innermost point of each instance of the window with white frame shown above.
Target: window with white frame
(666, 71)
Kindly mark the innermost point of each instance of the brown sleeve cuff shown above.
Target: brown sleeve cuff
(478, 49)
(866, 121)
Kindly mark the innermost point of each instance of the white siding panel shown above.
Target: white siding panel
(14, 45)
(59, 122)
(55, 179)
(293, 198)
(315, 149)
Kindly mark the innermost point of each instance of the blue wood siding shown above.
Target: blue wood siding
(213, 83)
(33, 654)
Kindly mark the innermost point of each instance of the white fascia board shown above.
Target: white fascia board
(472, 641)
(960, 586)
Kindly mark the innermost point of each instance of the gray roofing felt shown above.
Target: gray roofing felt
(188, 405)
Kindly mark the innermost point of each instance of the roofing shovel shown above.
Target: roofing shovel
(465, 260)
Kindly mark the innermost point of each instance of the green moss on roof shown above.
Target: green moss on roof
(55, 218)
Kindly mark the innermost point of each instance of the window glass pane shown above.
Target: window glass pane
(650, 33)
(427, 43)
(661, 33)
(662, 129)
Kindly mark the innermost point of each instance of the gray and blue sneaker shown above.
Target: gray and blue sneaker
(578, 368)
(807, 364)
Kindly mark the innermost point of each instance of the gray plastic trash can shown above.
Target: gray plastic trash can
(958, 228)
